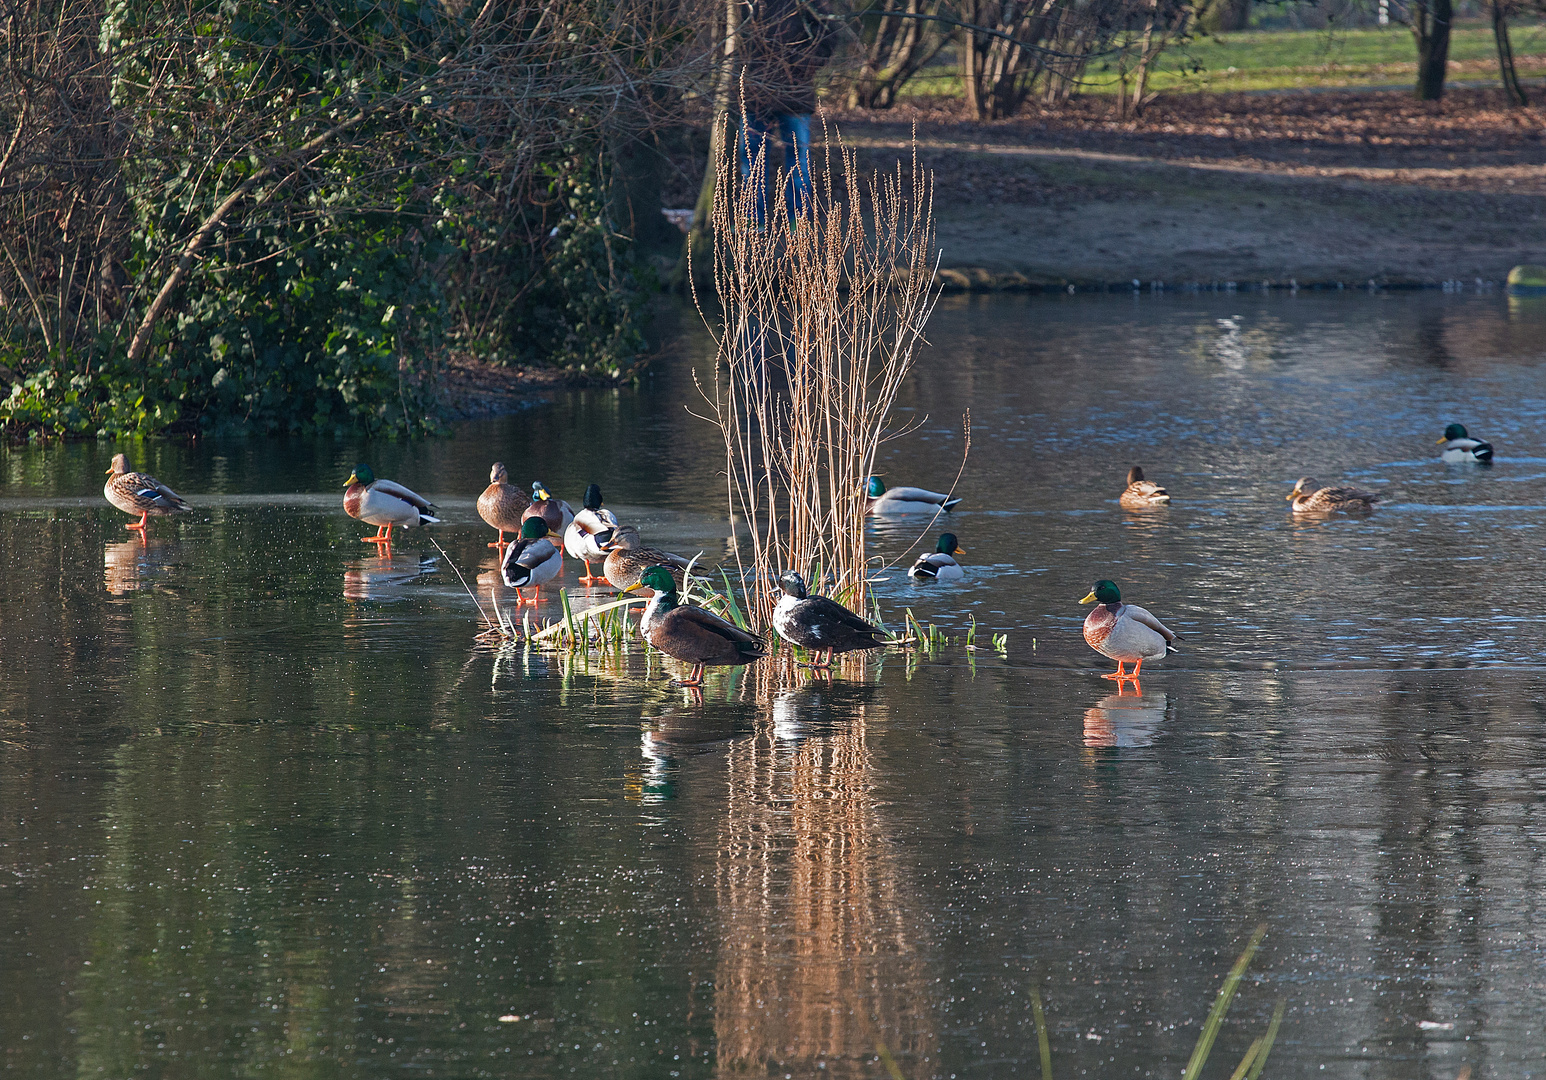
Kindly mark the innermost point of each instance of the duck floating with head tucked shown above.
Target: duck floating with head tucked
(939, 564)
(384, 504)
(591, 528)
(502, 504)
(531, 562)
(1459, 446)
(1311, 497)
(905, 500)
(818, 624)
(1141, 494)
(691, 634)
(139, 493)
(1125, 632)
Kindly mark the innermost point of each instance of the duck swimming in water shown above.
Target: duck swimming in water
(1459, 446)
(905, 500)
(1141, 494)
(1125, 632)
(939, 564)
(1311, 497)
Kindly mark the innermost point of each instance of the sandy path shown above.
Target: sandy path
(1313, 188)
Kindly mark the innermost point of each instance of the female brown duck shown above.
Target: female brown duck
(139, 493)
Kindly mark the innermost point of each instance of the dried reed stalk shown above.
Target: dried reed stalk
(822, 312)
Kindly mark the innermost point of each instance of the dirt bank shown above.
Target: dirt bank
(1313, 187)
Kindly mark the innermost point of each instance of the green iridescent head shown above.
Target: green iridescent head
(947, 545)
(1105, 592)
(659, 579)
(1454, 431)
(876, 488)
(362, 474)
(533, 529)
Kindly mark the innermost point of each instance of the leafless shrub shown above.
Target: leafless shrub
(822, 315)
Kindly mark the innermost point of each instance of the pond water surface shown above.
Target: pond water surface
(267, 809)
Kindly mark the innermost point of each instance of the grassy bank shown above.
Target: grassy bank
(1303, 59)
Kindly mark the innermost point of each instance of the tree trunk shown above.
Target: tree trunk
(1430, 25)
(1512, 91)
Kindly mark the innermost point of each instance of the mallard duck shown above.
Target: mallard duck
(628, 558)
(691, 634)
(591, 528)
(938, 565)
(905, 500)
(1140, 493)
(1309, 497)
(501, 504)
(532, 561)
(383, 504)
(138, 493)
(556, 512)
(1459, 446)
(1124, 631)
(818, 623)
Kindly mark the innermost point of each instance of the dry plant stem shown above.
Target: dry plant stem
(822, 315)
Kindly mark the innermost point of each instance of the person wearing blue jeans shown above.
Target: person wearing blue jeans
(784, 45)
(794, 131)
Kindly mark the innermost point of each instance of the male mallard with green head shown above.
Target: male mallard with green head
(879, 499)
(939, 564)
(628, 558)
(1310, 496)
(691, 634)
(532, 561)
(502, 504)
(1459, 446)
(587, 534)
(817, 623)
(1124, 632)
(140, 493)
(1141, 494)
(384, 504)
(556, 512)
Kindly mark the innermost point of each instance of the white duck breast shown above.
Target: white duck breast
(1131, 634)
(531, 562)
(387, 503)
(1458, 450)
(936, 566)
(580, 537)
(911, 500)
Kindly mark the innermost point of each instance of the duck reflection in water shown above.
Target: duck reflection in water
(129, 565)
(1124, 719)
(384, 576)
(675, 728)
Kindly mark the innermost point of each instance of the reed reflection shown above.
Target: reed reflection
(821, 957)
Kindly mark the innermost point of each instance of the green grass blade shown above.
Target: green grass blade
(563, 598)
(1041, 1035)
(1267, 1039)
(1245, 1062)
(735, 609)
(1210, 1029)
(892, 1069)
